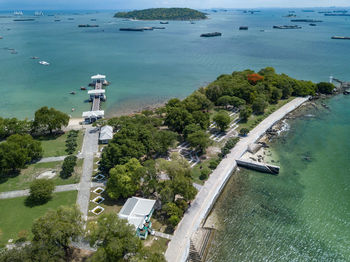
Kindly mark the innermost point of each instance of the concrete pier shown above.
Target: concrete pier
(261, 167)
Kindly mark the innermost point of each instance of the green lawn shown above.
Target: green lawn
(254, 120)
(110, 205)
(156, 244)
(16, 216)
(23, 180)
(56, 145)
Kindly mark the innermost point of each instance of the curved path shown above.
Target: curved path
(178, 247)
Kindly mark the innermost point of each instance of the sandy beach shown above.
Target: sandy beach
(178, 247)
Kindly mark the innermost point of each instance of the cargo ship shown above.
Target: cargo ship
(211, 34)
(88, 25)
(286, 27)
(306, 20)
(131, 29)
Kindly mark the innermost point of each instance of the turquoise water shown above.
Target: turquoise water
(303, 214)
(150, 67)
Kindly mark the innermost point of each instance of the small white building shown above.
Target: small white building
(138, 211)
(98, 78)
(106, 134)
(93, 116)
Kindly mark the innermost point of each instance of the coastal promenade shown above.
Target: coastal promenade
(178, 247)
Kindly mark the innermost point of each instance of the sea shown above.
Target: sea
(303, 214)
(147, 68)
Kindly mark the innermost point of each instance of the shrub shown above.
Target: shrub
(244, 131)
(40, 191)
(68, 166)
(205, 172)
(214, 163)
(228, 146)
(71, 141)
(245, 113)
(174, 220)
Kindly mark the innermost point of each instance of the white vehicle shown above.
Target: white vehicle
(44, 63)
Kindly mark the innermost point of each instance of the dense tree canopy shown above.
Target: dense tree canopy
(17, 151)
(222, 120)
(124, 180)
(49, 119)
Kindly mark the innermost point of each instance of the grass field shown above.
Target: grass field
(16, 216)
(23, 180)
(254, 120)
(56, 145)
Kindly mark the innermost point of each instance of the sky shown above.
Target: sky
(139, 4)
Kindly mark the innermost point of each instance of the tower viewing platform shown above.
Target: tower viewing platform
(97, 95)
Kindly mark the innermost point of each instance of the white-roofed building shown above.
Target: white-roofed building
(92, 116)
(106, 134)
(138, 212)
(98, 77)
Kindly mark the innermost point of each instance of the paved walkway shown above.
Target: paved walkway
(178, 247)
(163, 235)
(21, 193)
(52, 159)
(90, 147)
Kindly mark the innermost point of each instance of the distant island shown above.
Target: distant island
(163, 14)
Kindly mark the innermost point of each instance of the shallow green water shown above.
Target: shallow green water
(153, 66)
(303, 214)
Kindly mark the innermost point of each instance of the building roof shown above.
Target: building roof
(93, 114)
(135, 209)
(106, 133)
(98, 76)
(96, 91)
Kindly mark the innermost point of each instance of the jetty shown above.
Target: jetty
(261, 167)
(97, 95)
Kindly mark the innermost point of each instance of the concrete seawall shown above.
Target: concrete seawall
(178, 247)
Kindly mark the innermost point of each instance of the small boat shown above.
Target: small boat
(18, 13)
(70, 19)
(44, 63)
(341, 37)
(243, 28)
(72, 93)
(34, 57)
(82, 88)
(93, 19)
(164, 22)
(158, 27)
(346, 93)
(14, 52)
(38, 13)
(312, 24)
(57, 20)
(73, 109)
(23, 20)
(1, 37)
(211, 34)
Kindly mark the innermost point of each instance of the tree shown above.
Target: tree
(68, 166)
(199, 140)
(244, 131)
(259, 105)
(178, 118)
(114, 238)
(148, 174)
(201, 118)
(276, 95)
(54, 232)
(163, 140)
(222, 120)
(40, 191)
(224, 101)
(196, 102)
(124, 180)
(17, 151)
(325, 88)
(245, 113)
(49, 119)
(190, 129)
